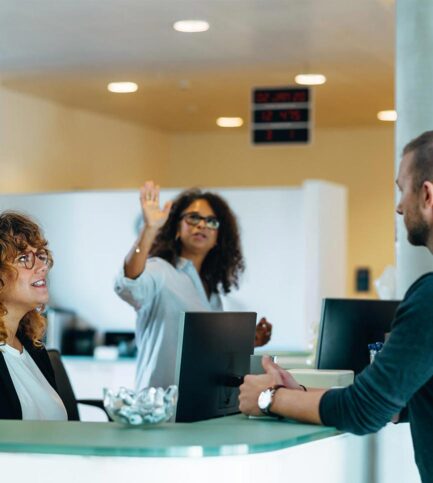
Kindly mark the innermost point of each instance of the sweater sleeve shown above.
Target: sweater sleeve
(399, 370)
(142, 290)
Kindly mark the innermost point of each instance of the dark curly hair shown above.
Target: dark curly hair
(225, 262)
(17, 232)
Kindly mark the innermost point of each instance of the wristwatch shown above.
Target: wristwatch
(266, 399)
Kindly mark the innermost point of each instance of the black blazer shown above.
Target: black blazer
(10, 407)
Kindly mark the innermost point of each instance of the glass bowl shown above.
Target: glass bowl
(147, 407)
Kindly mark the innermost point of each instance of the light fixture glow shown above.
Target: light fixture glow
(229, 121)
(387, 115)
(191, 26)
(122, 87)
(310, 79)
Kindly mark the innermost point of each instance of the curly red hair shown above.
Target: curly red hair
(17, 232)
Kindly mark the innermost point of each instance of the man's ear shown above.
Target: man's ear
(427, 196)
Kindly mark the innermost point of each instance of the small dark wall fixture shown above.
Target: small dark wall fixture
(362, 279)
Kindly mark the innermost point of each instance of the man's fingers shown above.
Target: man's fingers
(285, 377)
(269, 365)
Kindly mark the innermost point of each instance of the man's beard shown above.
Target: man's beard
(418, 234)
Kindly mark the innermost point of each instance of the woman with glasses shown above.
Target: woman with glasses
(187, 254)
(27, 384)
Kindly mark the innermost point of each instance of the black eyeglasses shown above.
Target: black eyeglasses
(194, 219)
(28, 259)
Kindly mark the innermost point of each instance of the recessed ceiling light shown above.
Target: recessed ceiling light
(122, 87)
(387, 115)
(191, 26)
(310, 79)
(229, 121)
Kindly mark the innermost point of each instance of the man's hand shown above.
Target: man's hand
(250, 391)
(254, 385)
(285, 378)
(263, 332)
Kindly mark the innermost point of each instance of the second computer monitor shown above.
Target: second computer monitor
(213, 356)
(347, 326)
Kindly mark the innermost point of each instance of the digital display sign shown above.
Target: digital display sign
(281, 95)
(281, 115)
(281, 136)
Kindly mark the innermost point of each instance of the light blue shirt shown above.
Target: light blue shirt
(159, 295)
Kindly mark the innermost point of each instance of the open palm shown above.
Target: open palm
(153, 215)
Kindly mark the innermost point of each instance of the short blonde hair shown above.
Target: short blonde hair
(17, 232)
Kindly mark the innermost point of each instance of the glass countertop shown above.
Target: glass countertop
(230, 435)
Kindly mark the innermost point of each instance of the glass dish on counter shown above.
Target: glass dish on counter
(150, 406)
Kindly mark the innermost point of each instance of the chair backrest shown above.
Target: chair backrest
(64, 387)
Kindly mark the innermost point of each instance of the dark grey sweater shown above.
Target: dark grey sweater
(400, 378)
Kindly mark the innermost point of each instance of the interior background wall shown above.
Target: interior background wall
(45, 146)
(361, 159)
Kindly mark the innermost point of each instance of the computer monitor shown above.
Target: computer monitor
(213, 356)
(347, 326)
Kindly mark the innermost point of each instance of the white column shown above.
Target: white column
(414, 103)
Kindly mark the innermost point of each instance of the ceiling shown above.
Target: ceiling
(68, 50)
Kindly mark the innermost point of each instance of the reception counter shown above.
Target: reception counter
(232, 448)
(222, 450)
(226, 449)
(232, 435)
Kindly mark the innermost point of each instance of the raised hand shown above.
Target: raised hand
(154, 216)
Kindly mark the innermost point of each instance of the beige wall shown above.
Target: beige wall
(45, 146)
(361, 159)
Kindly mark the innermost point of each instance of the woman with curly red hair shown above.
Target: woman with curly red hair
(27, 383)
(187, 254)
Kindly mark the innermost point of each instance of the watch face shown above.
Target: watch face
(265, 399)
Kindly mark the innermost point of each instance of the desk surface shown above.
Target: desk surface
(232, 435)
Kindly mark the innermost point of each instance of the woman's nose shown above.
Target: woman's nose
(40, 267)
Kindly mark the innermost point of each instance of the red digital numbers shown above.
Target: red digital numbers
(281, 115)
(282, 97)
(273, 96)
(266, 116)
(290, 115)
(295, 115)
(300, 96)
(262, 97)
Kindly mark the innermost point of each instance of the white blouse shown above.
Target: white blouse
(38, 399)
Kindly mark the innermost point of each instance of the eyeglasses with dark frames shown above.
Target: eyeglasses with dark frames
(193, 219)
(28, 259)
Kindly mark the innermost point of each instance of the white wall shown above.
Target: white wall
(287, 272)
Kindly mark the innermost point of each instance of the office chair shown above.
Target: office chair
(64, 388)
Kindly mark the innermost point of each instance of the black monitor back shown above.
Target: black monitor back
(213, 356)
(347, 326)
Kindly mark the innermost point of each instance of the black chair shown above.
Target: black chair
(64, 388)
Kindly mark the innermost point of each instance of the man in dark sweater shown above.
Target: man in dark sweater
(399, 384)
